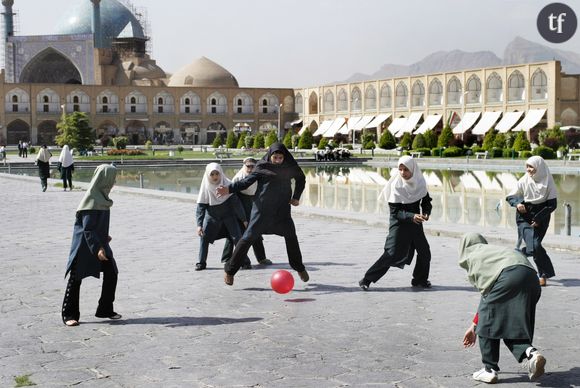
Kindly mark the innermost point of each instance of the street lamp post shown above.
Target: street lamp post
(279, 117)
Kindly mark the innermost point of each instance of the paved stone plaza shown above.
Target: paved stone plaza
(183, 328)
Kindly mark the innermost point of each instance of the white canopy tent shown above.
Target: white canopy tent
(486, 123)
(508, 121)
(468, 120)
(397, 124)
(531, 119)
(362, 123)
(345, 130)
(430, 122)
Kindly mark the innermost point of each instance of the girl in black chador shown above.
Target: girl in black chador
(271, 209)
(217, 217)
(410, 206)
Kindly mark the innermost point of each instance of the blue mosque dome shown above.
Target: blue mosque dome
(117, 21)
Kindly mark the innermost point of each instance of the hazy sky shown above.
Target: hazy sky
(297, 43)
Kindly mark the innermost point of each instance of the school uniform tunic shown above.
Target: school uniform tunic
(220, 219)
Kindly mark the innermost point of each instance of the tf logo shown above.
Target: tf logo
(557, 22)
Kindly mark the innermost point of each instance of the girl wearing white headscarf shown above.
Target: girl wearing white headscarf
(217, 216)
(507, 310)
(90, 252)
(43, 163)
(246, 197)
(534, 198)
(66, 167)
(410, 206)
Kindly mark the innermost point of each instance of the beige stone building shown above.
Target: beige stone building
(525, 97)
(97, 62)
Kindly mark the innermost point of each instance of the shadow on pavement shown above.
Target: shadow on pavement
(567, 282)
(181, 321)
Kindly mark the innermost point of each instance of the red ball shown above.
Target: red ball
(282, 281)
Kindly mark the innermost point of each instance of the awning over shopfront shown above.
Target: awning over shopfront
(296, 122)
(323, 128)
(508, 121)
(468, 120)
(378, 120)
(410, 124)
(487, 121)
(345, 130)
(430, 122)
(362, 123)
(334, 127)
(531, 119)
(397, 124)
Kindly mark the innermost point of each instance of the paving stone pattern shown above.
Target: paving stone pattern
(183, 328)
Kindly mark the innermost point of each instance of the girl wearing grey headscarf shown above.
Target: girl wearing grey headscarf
(507, 310)
(90, 252)
(534, 198)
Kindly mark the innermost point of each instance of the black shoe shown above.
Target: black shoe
(246, 266)
(364, 284)
(43, 189)
(265, 262)
(200, 266)
(422, 284)
(112, 315)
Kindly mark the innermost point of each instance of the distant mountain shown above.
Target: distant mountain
(517, 51)
(521, 50)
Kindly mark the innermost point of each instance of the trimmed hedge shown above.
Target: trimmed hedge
(452, 151)
(425, 151)
(544, 152)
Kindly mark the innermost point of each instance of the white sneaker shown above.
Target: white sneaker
(535, 365)
(485, 376)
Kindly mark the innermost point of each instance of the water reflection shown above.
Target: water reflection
(460, 197)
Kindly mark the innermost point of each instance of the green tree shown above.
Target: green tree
(499, 141)
(419, 142)
(231, 140)
(259, 140)
(242, 140)
(387, 140)
(488, 140)
(430, 139)
(322, 143)
(217, 141)
(288, 140)
(521, 143)
(249, 141)
(271, 138)
(295, 140)
(306, 140)
(120, 142)
(74, 130)
(445, 138)
(406, 141)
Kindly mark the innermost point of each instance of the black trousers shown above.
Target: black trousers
(70, 304)
(258, 247)
(422, 264)
(533, 237)
(241, 252)
(489, 348)
(67, 177)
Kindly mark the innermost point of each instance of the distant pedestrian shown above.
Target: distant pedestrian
(217, 216)
(410, 206)
(271, 208)
(66, 167)
(3, 153)
(25, 149)
(20, 148)
(247, 198)
(90, 252)
(43, 163)
(507, 310)
(534, 198)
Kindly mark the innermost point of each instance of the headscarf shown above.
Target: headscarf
(539, 187)
(242, 174)
(66, 157)
(484, 262)
(208, 190)
(97, 196)
(266, 167)
(43, 155)
(399, 190)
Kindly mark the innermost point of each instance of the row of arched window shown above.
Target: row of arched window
(48, 101)
(516, 92)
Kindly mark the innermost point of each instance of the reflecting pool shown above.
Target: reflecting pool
(459, 197)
